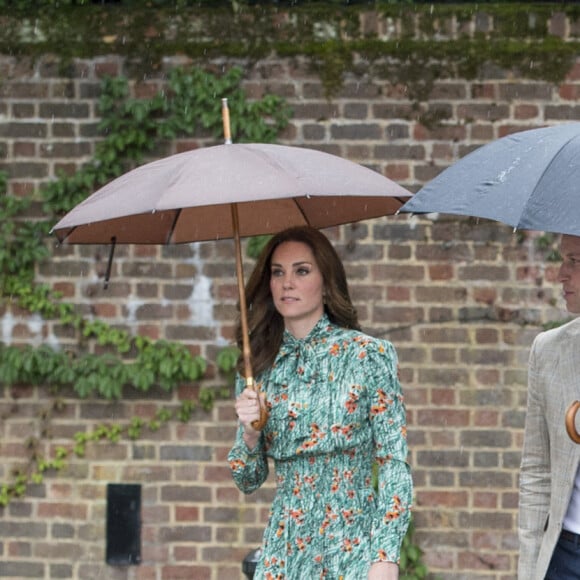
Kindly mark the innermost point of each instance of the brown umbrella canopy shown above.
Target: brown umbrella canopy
(188, 197)
(230, 191)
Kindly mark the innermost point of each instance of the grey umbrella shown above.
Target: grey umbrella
(528, 180)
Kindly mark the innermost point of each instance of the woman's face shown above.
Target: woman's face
(297, 287)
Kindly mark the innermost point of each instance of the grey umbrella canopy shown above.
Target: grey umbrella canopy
(529, 180)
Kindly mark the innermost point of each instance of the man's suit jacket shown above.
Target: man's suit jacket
(550, 459)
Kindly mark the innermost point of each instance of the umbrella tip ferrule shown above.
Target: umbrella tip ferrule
(226, 122)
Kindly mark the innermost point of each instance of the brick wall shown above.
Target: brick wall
(460, 300)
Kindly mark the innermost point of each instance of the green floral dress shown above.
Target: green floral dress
(335, 408)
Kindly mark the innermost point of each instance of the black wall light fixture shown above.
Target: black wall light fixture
(123, 524)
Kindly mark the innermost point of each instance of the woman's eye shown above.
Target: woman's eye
(303, 271)
(276, 273)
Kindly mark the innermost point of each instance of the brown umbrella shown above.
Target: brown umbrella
(230, 191)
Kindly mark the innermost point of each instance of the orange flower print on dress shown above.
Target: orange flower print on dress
(347, 431)
(237, 464)
(395, 512)
(302, 543)
(280, 530)
(297, 516)
(332, 419)
(335, 481)
(352, 402)
(383, 403)
(348, 516)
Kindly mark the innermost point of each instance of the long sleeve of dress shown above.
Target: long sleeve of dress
(249, 466)
(389, 428)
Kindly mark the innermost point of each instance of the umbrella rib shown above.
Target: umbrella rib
(61, 241)
(173, 226)
(110, 263)
(304, 216)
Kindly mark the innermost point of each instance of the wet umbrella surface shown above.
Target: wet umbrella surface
(529, 180)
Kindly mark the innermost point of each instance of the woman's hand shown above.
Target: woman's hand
(384, 571)
(247, 407)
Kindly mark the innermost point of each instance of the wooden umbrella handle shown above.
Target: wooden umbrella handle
(571, 421)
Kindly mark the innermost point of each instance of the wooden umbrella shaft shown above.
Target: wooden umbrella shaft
(260, 423)
(246, 352)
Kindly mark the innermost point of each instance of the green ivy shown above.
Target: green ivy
(37, 466)
(132, 128)
(22, 241)
(326, 33)
(256, 245)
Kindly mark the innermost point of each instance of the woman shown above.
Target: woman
(336, 409)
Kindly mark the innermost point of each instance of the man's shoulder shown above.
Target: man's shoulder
(566, 331)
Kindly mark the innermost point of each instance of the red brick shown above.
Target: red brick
(185, 572)
(445, 499)
(71, 511)
(443, 417)
(486, 500)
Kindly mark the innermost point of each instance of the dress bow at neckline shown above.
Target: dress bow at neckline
(300, 353)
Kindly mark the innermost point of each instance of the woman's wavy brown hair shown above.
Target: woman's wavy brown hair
(265, 324)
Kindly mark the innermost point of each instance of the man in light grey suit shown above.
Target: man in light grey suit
(549, 510)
